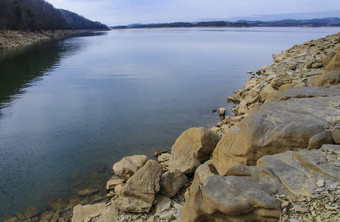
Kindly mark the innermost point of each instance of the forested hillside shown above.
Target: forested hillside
(40, 15)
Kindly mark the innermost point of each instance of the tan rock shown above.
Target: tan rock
(221, 111)
(127, 166)
(11, 219)
(247, 192)
(95, 213)
(274, 128)
(138, 194)
(193, 147)
(31, 212)
(47, 215)
(112, 183)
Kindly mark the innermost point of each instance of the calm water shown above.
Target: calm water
(70, 109)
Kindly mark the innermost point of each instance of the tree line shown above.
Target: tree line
(41, 15)
(325, 22)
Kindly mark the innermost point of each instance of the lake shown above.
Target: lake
(69, 109)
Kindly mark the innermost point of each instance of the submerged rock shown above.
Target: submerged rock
(95, 213)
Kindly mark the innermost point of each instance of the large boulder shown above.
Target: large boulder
(231, 198)
(278, 126)
(193, 147)
(248, 193)
(129, 165)
(138, 194)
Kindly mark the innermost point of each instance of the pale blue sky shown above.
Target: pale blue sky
(120, 12)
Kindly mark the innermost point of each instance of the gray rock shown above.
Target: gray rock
(336, 133)
(172, 182)
(162, 204)
(319, 139)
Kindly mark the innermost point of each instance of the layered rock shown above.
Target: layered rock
(279, 126)
(246, 193)
(192, 148)
(139, 192)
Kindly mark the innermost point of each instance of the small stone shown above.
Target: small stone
(285, 204)
(293, 220)
(318, 219)
(112, 183)
(327, 215)
(301, 199)
(298, 208)
(214, 110)
(157, 153)
(167, 216)
(221, 111)
(320, 189)
(320, 183)
(163, 157)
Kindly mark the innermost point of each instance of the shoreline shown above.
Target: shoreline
(20, 38)
(294, 79)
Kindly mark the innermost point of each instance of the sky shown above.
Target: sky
(123, 12)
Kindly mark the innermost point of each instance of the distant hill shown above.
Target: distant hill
(324, 22)
(275, 17)
(40, 15)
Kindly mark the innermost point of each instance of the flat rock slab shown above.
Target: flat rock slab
(95, 213)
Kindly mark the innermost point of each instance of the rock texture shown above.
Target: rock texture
(95, 213)
(172, 182)
(193, 147)
(127, 166)
(138, 194)
(11, 38)
(279, 126)
(246, 193)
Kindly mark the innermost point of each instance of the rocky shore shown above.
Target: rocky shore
(276, 159)
(11, 39)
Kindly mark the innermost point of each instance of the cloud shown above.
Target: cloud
(116, 12)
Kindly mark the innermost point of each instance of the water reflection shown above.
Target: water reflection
(24, 66)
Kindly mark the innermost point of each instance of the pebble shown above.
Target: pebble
(320, 183)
